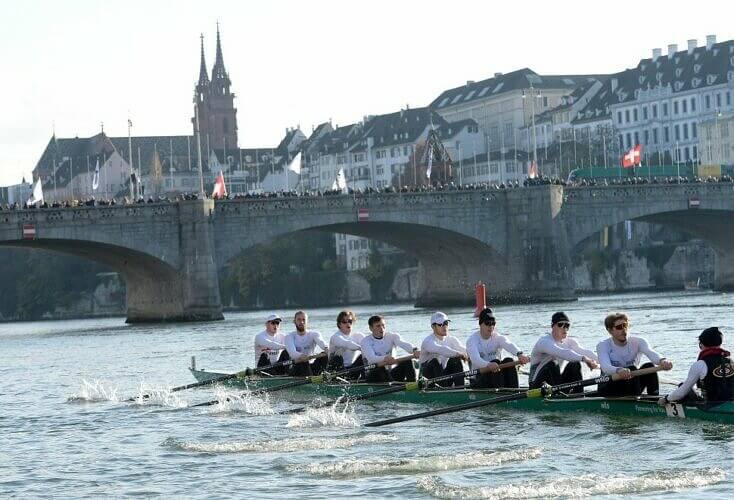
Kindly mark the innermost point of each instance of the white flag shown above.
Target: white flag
(37, 194)
(430, 164)
(628, 227)
(341, 179)
(295, 165)
(95, 179)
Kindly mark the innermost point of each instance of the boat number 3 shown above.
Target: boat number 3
(675, 410)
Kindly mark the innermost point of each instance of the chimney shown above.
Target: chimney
(497, 75)
(692, 45)
(672, 49)
(655, 54)
(710, 41)
(614, 82)
(469, 82)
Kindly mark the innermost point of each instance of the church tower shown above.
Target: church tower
(215, 105)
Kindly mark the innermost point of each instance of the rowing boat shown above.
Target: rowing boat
(627, 406)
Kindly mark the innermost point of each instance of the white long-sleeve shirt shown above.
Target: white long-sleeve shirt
(441, 348)
(298, 345)
(272, 345)
(696, 372)
(483, 351)
(549, 350)
(613, 356)
(346, 346)
(375, 350)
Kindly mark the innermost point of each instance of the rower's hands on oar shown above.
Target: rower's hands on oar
(665, 364)
(593, 365)
(624, 373)
(493, 367)
(523, 359)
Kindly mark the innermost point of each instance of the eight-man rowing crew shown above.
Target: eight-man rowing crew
(555, 359)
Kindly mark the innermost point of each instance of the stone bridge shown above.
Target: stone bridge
(519, 241)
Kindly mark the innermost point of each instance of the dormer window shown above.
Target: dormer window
(678, 85)
(710, 79)
(677, 60)
(641, 79)
(730, 76)
(678, 72)
(695, 82)
(696, 68)
(659, 76)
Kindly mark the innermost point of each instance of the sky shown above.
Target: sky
(75, 65)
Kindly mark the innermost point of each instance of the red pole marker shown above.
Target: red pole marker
(480, 294)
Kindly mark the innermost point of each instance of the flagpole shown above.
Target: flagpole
(130, 157)
(170, 162)
(188, 146)
(106, 178)
(71, 176)
(87, 173)
(140, 176)
(198, 149)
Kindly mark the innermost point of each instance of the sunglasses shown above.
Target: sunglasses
(445, 323)
(350, 321)
(621, 327)
(274, 322)
(564, 324)
(489, 322)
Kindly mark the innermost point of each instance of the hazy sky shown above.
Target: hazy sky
(78, 63)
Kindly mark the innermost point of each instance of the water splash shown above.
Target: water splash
(325, 417)
(375, 466)
(277, 445)
(93, 392)
(579, 486)
(245, 402)
(158, 396)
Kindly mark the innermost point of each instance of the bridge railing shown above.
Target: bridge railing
(644, 191)
(99, 213)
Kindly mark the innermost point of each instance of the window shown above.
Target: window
(707, 100)
(634, 114)
(644, 112)
(494, 169)
(694, 130)
(693, 104)
(510, 168)
(647, 137)
(718, 100)
(380, 153)
(654, 136)
(626, 115)
(677, 132)
(666, 134)
(695, 152)
(545, 102)
(654, 110)
(688, 153)
(685, 105)
(637, 137)
(364, 244)
(685, 131)
(380, 170)
(619, 117)
(665, 109)
(675, 107)
(629, 140)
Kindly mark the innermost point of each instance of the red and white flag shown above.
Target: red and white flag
(363, 215)
(220, 190)
(633, 157)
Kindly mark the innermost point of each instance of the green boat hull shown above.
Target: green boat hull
(642, 406)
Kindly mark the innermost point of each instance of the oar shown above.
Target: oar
(410, 386)
(316, 379)
(240, 375)
(532, 393)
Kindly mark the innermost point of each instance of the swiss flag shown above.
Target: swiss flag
(220, 190)
(633, 157)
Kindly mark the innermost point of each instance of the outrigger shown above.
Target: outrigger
(419, 394)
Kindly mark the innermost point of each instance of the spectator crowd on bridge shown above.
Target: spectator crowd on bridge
(428, 188)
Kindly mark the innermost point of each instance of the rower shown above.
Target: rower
(621, 353)
(301, 344)
(713, 372)
(378, 347)
(344, 345)
(270, 346)
(485, 347)
(551, 350)
(442, 354)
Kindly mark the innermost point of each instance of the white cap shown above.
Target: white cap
(273, 317)
(439, 318)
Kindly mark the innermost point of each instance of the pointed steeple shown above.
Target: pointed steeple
(203, 75)
(219, 73)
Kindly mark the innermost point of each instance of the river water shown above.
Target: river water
(67, 432)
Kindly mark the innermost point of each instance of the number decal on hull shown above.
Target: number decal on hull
(675, 410)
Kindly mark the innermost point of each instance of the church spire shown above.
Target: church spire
(203, 75)
(219, 74)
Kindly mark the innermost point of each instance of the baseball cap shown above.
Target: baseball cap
(273, 317)
(485, 314)
(439, 318)
(558, 317)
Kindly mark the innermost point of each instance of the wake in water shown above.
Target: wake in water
(158, 396)
(245, 402)
(579, 486)
(379, 466)
(94, 392)
(277, 445)
(329, 416)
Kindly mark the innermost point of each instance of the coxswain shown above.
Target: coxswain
(301, 344)
(270, 346)
(378, 347)
(620, 354)
(441, 353)
(713, 372)
(344, 345)
(552, 350)
(485, 347)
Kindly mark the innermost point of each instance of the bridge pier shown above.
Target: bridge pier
(189, 293)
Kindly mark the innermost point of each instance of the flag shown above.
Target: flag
(341, 179)
(628, 227)
(430, 163)
(95, 179)
(532, 170)
(37, 194)
(220, 191)
(633, 157)
(295, 164)
(129, 122)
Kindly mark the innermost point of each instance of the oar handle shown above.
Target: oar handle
(468, 374)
